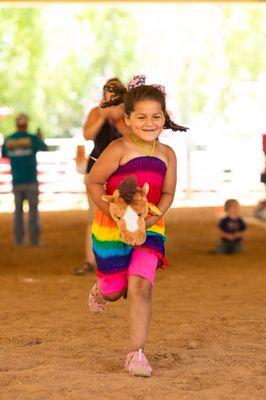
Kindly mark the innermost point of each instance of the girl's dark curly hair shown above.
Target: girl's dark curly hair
(141, 93)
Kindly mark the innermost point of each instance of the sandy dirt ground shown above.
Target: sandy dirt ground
(207, 339)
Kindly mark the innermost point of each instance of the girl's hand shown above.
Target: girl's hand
(151, 220)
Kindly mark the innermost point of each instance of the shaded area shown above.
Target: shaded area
(207, 339)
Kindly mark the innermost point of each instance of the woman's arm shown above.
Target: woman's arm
(106, 164)
(168, 191)
(94, 122)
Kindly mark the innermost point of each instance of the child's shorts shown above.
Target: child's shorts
(143, 263)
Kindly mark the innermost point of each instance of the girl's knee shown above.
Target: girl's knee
(115, 296)
(139, 287)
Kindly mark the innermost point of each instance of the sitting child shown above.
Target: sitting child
(231, 229)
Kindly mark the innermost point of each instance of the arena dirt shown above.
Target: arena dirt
(207, 338)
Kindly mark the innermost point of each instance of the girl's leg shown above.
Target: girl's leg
(141, 274)
(108, 288)
(140, 294)
(98, 301)
(115, 296)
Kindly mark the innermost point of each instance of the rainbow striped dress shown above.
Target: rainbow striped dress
(112, 255)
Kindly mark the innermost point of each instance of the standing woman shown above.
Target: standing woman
(102, 125)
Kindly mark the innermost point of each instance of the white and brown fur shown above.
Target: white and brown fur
(129, 207)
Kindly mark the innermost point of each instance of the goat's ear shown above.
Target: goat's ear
(145, 188)
(107, 198)
(111, 199)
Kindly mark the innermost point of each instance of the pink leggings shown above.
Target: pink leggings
(143, 263)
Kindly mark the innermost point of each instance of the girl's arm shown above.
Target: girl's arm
(106, 164)
(94, 122)
(168, 191)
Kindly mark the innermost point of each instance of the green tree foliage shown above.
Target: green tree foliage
(244, 41)
(51, 61)
(21, 49)
(244, 35)
(223, 67)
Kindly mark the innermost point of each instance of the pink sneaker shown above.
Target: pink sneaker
(96, 300)
(137, 364)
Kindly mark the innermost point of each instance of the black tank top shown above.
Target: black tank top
(107, 134)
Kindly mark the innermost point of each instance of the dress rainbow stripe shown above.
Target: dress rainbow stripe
(112, 255)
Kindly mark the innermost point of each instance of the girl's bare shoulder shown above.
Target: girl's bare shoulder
(124, 141)
(116, 145)
(166, 151)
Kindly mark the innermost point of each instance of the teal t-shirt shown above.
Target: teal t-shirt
(21, 149)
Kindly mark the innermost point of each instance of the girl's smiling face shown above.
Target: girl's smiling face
(147, 120)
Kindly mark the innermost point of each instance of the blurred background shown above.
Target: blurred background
(54, 60)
